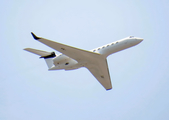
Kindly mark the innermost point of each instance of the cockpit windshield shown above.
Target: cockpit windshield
(131, 36)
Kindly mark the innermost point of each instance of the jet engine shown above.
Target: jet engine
(64, 62)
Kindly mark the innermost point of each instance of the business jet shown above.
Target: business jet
(94, 60)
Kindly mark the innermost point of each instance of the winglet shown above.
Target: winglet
(34, 36)
(108, 89)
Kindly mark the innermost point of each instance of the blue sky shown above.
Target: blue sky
(140, 75)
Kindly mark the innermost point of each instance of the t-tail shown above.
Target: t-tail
(48, 56)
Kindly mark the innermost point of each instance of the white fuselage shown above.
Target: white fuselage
(64, 62)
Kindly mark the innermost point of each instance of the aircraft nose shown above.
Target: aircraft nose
(140, 39)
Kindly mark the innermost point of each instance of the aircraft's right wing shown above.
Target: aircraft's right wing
(100, 71)
(72, 52)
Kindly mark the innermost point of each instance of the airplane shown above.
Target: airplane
(94, 60)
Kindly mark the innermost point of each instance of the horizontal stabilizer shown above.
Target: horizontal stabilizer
(38, 52)
(48, 56)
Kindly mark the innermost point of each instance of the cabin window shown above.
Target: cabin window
(117, 42)
(107, 45)
(99, 49)
(94, 50)
(103, 47)
(112, 44)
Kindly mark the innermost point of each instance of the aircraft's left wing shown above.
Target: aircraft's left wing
(75, 53)
(100, 71)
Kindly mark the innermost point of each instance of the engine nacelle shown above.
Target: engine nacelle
(60, 59)
(64, 62)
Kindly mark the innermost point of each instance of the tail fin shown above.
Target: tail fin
(48, 56)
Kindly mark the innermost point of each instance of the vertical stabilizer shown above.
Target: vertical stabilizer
(49, 62)
(49, 59)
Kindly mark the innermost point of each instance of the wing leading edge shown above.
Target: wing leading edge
(96, 64)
